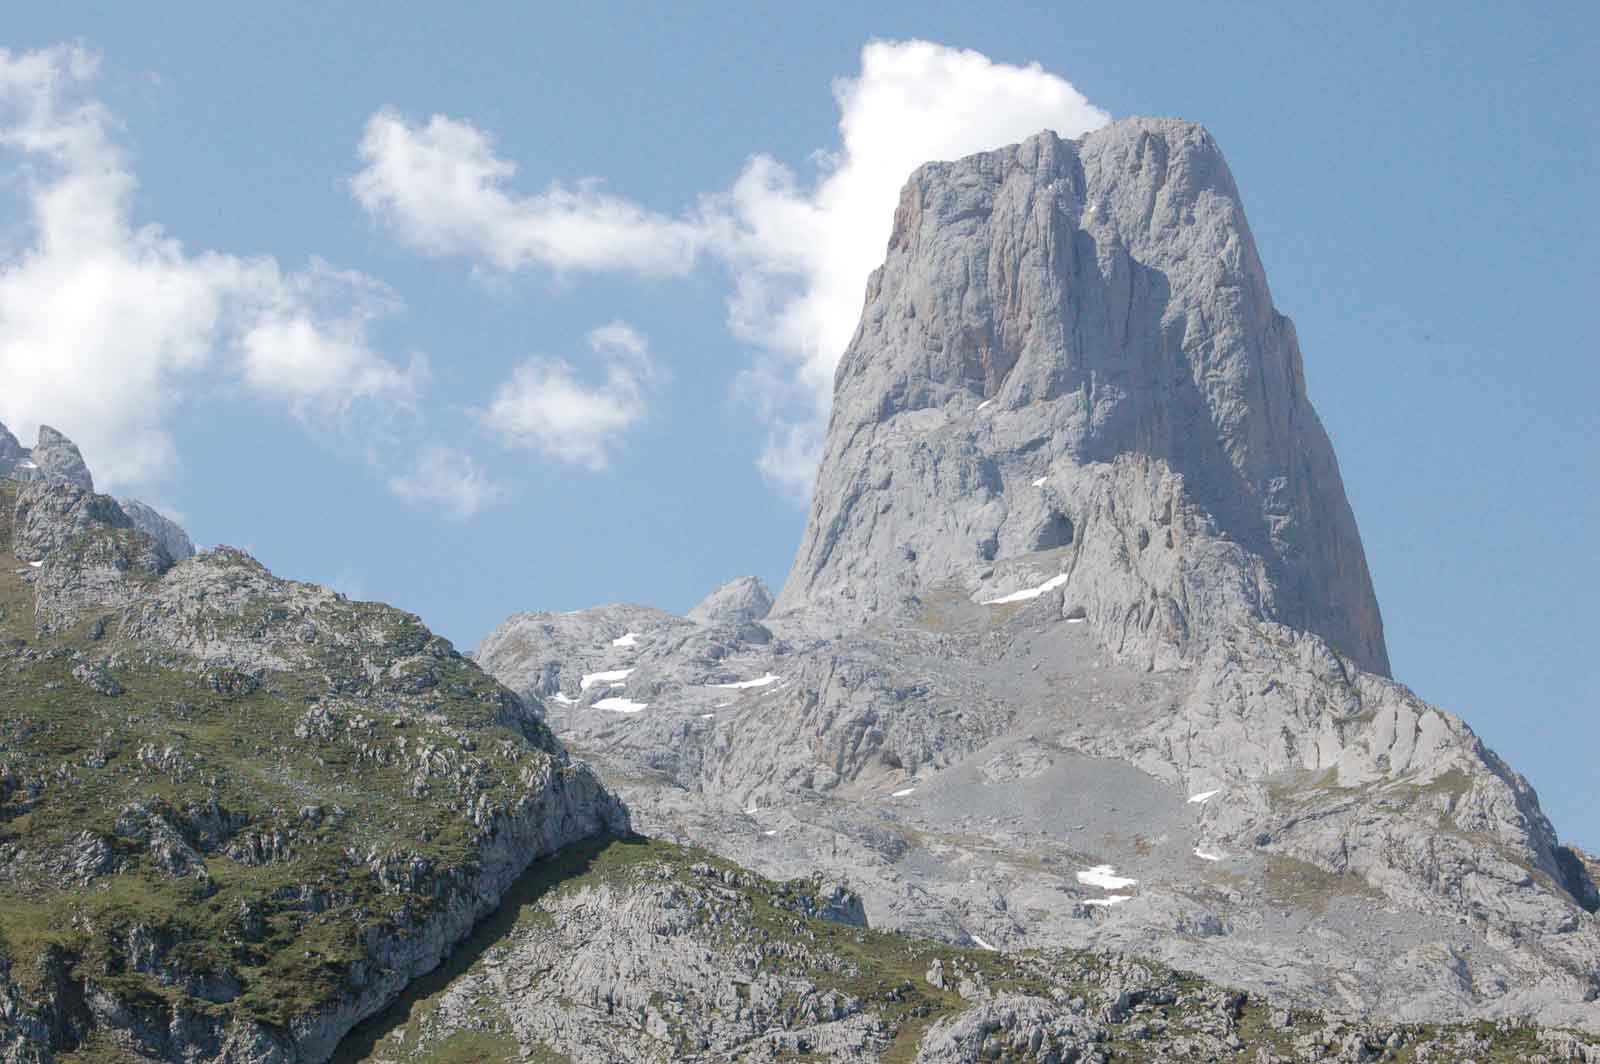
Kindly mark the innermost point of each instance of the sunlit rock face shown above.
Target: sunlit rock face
(1072, 346)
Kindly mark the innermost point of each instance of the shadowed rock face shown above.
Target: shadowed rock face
(1062, 333)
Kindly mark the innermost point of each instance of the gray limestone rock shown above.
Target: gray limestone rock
(1056, 309)
(741, 600)
(57, 457)
(11, 451)
(1080, 645)
(163, 529)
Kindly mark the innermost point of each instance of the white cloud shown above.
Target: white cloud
(307, 343)
(800, 250)
(804, 251)
(545, 407)
(441, 188)
(105, 322)
(448, 478)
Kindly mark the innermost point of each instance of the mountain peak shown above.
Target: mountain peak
(1069, 354)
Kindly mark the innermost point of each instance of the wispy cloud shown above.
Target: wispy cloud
(450, 479)
(106, 321)
(799, 248)
(546, 405)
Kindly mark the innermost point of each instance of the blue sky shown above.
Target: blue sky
(342, 347)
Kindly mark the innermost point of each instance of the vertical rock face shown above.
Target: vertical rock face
(11, 452)
(1071, 347)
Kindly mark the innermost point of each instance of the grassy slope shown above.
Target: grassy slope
(175, 743)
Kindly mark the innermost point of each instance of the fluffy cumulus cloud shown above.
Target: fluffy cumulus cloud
(446, 477)
(104, 322)
(803, 249)
(547, 406)
(442, 189)
(800, 246)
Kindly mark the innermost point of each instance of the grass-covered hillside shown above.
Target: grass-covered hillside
(236, 812)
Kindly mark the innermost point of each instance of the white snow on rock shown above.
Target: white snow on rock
(590, 679)
(1028, 593)
(707, 716)
(620, 705)
(984, 945)
(565, 700)
(774, 831)
(1076, 620)
(743, 684)
(1105, 877)
(627, 639)
(1041, 482)
(1206, 856)
(1203, 797)
(903, 793)
(985, 403)
(27, 463)
(36, 565)
(1108, 902)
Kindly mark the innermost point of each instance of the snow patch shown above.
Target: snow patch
(1041, 482)
(707, 716)
(774, 831)
(590, 679)
(27, 463)
(1203, 797)
(743, 684)
(1028, 593)
(1205, 856)
(1108, 902)
(36, 565)
(903, 793)
(620, 705)
(565, 700)
(984, 945)
(1076, 620)
(1105, 877)
(985, 403)
(627, 639)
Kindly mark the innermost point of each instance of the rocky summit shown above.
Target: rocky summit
(1080, 649)
(1070, 738)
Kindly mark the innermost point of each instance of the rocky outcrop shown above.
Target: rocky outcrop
(310, 801)
(634, 950)
(58, 458)
(740, 601)
(159, 527)
(1047, 313)
(11, 451)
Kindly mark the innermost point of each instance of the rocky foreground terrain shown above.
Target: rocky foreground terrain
(1070, 738)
